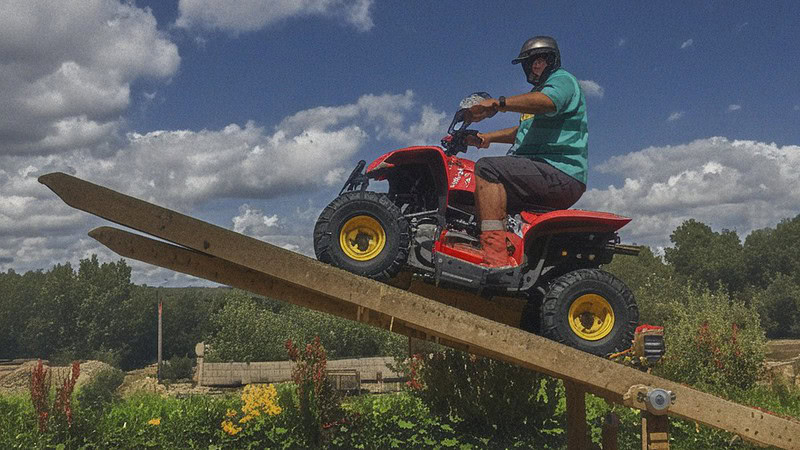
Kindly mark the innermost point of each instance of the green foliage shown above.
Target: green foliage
(652, 281)
(247, 328)
(713, 342)
(18, 423)
(100, 391)
(772, 251)
(779, 307)
(177, 368)
(706, 256)
(150, 421)
(521, 406)
(318, 401)
(245, 331)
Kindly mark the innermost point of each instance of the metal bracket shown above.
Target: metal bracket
(654, 400)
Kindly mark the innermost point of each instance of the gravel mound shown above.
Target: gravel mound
(19, 380)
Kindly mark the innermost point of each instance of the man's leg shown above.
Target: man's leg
(490, 200)
(490, 203)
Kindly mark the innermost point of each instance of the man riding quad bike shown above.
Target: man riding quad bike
(428, 223)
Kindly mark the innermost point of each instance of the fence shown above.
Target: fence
(368, 371)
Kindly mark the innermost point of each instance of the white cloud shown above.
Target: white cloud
(592, 88)
(69, 86)
(295, 235)
(185, 170)
(621, 42)
(687, 43)
(251, 15)
(737, 185)
(675, 116)
(734, 107)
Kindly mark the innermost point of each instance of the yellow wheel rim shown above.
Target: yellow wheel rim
(362, 238)
(591, 317)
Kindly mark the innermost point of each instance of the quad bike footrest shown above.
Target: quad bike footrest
(450, 269)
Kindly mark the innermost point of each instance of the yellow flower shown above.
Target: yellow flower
(155, 422)
(230, 428)
(260, 399)
(230, 413)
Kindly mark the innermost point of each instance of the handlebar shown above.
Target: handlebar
(456, 140)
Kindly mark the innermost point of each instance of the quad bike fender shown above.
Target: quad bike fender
(571, 221)
(459, 173)
(410, 155)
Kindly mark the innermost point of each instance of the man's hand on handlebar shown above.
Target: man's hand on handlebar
(483, 110)
(478, 140)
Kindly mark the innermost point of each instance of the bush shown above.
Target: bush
(250, 329)
(18, 423)
(713, 342)
(319, 403)
(492, 398)
(101, 390)
(177, 368)
(111, 357)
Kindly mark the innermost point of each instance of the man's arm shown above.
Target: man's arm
(528, 103)
(504, 136)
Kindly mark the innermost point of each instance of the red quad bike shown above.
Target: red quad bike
(430, 207)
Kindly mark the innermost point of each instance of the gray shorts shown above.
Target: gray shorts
(530, 183)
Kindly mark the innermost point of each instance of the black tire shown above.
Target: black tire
(382, 262)
(590, 290)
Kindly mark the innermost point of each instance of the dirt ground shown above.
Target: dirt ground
(783, 349)
(19, 378)
(141, 380)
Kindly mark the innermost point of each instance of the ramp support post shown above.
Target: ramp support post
(577, 429)
(610, 430)
(655, 431)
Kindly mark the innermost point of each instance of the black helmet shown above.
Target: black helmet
(539, 45)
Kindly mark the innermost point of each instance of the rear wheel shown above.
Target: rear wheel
(364, 233)
(590, 310)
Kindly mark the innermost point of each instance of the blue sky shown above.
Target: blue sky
(250, 113)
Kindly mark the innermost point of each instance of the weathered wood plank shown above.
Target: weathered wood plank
(476, 334)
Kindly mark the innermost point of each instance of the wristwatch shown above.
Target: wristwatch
(502, 102)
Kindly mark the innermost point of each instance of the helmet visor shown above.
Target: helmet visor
(531, 56)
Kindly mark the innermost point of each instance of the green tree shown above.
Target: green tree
(779, 307)
(344, 338)
(18, 294)
(50, 327)
(105, 310)
(708, 257)
(246, 331)
(772, 251)
(652, 282)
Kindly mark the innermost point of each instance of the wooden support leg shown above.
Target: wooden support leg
(655, 432)
(610, 429)
(577, 430)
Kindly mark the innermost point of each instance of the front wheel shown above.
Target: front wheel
(590, 310)
(363, 232)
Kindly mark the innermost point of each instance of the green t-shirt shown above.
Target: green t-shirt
(559, 138)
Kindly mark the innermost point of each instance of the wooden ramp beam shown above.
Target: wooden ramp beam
(301, 280)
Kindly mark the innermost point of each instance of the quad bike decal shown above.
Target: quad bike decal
(426, 224)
